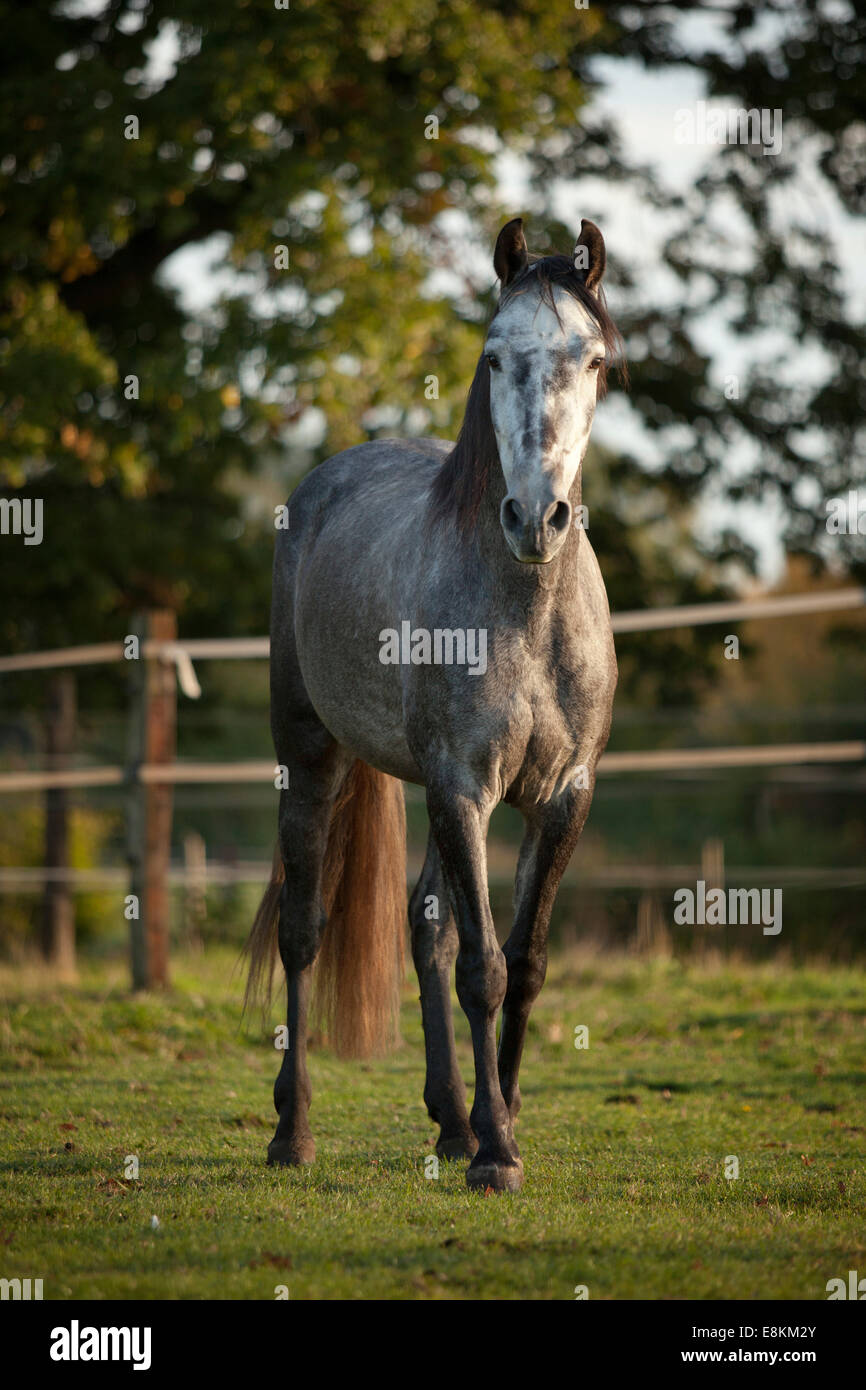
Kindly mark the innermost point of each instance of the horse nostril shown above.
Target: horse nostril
(558, 517)
(511, 515)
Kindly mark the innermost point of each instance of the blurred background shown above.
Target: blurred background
(235, 239)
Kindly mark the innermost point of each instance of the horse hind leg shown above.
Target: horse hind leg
(434, 950)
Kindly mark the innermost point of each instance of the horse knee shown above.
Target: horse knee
(482, 979)
(298, 937)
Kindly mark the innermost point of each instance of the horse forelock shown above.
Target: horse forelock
(548, 273)
(460, 483)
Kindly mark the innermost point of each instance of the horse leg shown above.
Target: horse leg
(547, 847)
(434, 948)
(459, 823)
(304, 819)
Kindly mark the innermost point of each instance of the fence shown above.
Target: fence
(159, 662)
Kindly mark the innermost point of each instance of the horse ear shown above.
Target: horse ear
(590, 257)
(511, 254)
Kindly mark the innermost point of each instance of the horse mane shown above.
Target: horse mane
(458, 488)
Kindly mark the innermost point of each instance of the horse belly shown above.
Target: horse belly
(359, 700)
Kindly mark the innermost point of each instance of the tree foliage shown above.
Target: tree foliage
(307, 129)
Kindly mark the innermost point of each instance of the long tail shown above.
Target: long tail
(359, 968)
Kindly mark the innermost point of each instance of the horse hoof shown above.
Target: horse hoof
(497, 1177)
(290, 1153)
(457, 1145)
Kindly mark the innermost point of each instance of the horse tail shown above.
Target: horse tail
(359, 967)
(262, 943)
(359, 970)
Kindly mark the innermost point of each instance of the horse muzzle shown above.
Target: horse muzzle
(535, 532)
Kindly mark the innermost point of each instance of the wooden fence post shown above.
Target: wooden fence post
(58, 911)
(152, 728)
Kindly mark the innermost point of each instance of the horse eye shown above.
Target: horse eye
(595, 364)
(493, 361)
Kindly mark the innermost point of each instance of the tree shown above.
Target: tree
(755, 248)
(315, 153)
(298, 138)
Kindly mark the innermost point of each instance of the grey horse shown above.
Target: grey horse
(439, 617)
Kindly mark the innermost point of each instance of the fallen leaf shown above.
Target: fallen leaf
(268, 1257)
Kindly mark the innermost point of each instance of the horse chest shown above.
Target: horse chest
(558, 740)
(554, 727)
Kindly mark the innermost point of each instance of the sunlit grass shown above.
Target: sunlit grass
(624, 1144)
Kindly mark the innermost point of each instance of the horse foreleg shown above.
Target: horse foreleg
(547, 847)
(434, 948)
(459, 824)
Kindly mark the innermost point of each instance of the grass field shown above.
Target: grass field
(624, 1144)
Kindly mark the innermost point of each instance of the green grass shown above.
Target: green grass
(624, 1144)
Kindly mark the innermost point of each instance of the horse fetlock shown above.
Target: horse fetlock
(456, 1139)
(292, 1095)
(457, 1144)
(494, 1129)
